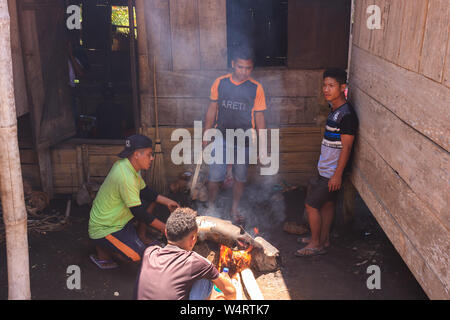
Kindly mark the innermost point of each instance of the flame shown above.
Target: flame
(235, 261)
(256, 231)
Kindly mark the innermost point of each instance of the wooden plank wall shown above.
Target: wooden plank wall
(189, 40)
(74, 162)
(400, 87)
(314, 44)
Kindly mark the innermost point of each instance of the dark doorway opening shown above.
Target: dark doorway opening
(104, 93)
(260, 24)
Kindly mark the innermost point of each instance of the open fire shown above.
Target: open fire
(235, 261)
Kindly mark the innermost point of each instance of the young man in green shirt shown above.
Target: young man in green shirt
(122, 197)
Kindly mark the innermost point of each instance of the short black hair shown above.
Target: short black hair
(339, 75)
(243, 52)
(180, 224)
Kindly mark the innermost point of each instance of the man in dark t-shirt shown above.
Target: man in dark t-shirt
(337, 144)
(175, 272)
(237, 102)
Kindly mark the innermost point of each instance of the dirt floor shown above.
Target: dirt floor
(340, 274)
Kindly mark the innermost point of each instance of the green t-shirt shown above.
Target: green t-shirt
(120, 191)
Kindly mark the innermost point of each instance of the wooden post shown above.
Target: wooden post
(133, 64)
(11, 185)
(144, 72)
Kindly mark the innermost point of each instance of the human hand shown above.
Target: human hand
(172, 205)
(335, 183)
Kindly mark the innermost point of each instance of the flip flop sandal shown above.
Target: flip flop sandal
(104, 264)
(306, 240)
(310, 252)
(303, 240)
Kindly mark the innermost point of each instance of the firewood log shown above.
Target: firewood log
(236, 280)
(251, 285)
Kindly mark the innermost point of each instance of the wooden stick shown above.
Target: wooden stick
(11, 185)
(251, 285)
(156, 100)
(194, 180)
(236, 280)
(68, 207)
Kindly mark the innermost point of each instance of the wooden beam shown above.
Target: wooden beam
(20, 89)
(11, 185)
(133, 64)
(145, 80)
(276, 83)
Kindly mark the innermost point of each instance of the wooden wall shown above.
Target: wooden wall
(400, 85)
(189, 41)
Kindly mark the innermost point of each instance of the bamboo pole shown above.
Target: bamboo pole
(11, 184)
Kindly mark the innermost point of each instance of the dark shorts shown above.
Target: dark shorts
(125, 242)
(318, 193)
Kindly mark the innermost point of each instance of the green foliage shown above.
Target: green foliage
(119, 16)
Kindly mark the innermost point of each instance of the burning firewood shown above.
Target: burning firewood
(266, 258)
(251, 285)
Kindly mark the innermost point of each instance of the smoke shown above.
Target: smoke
(262, 204)
(191, 46)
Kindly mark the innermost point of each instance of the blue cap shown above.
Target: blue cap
(226, 269)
